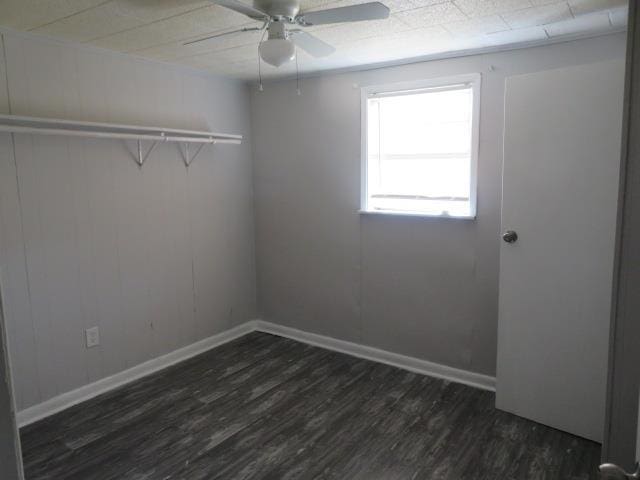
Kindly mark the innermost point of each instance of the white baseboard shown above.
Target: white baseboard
(424, 367)
(86, 392)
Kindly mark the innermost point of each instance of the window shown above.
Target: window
(420, 145)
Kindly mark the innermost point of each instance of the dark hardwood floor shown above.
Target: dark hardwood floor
(265, 407)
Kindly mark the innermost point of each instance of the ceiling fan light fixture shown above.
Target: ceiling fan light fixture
(277, 51)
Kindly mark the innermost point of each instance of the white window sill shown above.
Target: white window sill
(391, 213)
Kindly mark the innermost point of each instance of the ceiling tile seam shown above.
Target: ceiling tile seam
(454, 34)
(51, 22)
(208, 52)
(195, 37)
(409, 30)
(573, 15)
(502, 15)
(455, 4)
(145, 24)
(202, 54)
(442, 2)
(470, 16)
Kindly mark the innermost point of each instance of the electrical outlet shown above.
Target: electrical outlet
(92, 336)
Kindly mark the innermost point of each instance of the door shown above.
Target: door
(560, 192)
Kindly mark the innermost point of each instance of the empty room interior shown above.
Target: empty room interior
(319, 239)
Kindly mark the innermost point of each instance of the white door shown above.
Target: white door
(560, 190)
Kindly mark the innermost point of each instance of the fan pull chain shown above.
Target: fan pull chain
(298, 91)
(260, 87)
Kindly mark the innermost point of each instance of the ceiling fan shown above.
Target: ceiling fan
(282, 19)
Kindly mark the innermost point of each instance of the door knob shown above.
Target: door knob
(510, 236)
(613, 472)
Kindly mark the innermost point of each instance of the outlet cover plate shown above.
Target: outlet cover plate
(92, 336)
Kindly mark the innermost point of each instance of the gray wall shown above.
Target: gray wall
(422, 287)
(158, 258)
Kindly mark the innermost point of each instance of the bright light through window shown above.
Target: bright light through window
(421, 150)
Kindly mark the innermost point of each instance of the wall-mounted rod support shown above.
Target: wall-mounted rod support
(188, 161)
(143, 158)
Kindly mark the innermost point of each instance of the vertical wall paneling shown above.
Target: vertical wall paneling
(14, 274)
(10, 464)
(157, 257)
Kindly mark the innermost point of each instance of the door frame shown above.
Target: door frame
(621, 430)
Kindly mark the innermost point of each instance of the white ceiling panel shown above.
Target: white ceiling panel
(432, 15)
(596, 22)
(580, 7)
(199, 22)
(521, 35)
(176, 50)
(542, 15)
(28, 14)
(483, 8)
(158, 29)
(478, 26)
(117, 16)
(345, 33)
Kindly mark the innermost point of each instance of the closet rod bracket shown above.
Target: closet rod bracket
(189, 160)
(140, 159)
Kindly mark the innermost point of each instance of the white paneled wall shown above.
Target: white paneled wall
(157, 257)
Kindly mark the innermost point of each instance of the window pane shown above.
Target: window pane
(419, 151)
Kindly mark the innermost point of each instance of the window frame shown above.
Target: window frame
(475, 79)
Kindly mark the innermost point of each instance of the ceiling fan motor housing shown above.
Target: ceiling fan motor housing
(279, 9)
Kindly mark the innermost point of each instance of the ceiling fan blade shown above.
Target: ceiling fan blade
(310, 44)
(210, 37)
(354, 13)
(241, 7)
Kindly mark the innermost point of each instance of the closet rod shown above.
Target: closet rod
(51, 126)
(123, 136)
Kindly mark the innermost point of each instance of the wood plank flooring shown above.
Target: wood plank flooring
(265, 407)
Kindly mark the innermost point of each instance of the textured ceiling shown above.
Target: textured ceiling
(157, 29)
